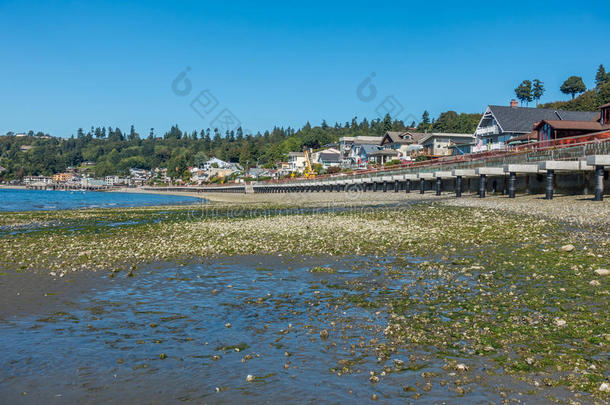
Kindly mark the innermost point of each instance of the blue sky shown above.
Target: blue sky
(76, 64)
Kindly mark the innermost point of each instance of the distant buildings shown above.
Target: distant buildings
(63, 177)
(37, 180)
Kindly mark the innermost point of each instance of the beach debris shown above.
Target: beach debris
(250, 378)
(602, 272)
(567, 248)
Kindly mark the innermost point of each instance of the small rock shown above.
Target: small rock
(228, 325)
(560, 322)
(602, 272)
(250, 378)
(374, 397)
(594, 283)
(567, 248)
(163, 356)
(529, 360)
(324, 334)
(605, 387)
(461, 367)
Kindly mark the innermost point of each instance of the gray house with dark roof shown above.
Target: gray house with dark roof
(500, 123)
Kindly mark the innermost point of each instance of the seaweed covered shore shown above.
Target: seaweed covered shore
(527, 294)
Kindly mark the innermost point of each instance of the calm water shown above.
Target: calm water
(27, 200)
(170, 335)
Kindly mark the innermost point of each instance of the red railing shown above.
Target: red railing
(481, 156)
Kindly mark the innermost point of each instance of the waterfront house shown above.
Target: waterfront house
(401, 141)
(383, 156)
(327, 157)
(547, 130)
(30, 180)
(461, 146)
(437, 144)
(555, 129)
(501, 123)
(296, 161)
(355, 149)
(215, 163)
(63, 177)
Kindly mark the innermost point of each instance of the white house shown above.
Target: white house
(297, 161)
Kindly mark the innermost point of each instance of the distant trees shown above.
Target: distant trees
(451, 121)
(425, 117)
(524, 92)
(573, 85)
(537, 90)
(601, 77)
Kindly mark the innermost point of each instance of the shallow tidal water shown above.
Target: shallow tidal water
(195, 332)
(34, 200)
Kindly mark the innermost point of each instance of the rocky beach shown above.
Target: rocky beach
(413, 297)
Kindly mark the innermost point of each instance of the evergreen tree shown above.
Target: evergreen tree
(538, 90)
(425, 117)
(524, 92)
(601, 77)
(387, 123)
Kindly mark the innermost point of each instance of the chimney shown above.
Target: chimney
(514, 103)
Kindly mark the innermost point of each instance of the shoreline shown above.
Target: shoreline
(428, 270)
(138, 190)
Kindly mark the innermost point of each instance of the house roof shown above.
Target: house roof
(577, 125)
(296, 154)
(402, 137)
(397, 137)
(451, 136)
(368, 140)
(521, 119)
(330, 157)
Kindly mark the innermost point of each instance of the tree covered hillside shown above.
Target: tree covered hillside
(114, 152)
(589, 100)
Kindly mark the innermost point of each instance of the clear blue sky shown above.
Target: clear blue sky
(76, 64)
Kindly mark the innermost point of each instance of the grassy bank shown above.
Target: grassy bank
(487, 284)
